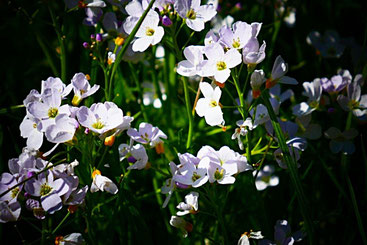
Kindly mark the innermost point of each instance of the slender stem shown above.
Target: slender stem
(61, 42)
(197, 97)
(240, 95)
(102, 158)
(59, 225)
(11, 108)
(292, 167)
(263, 158)
(188, 40)
(128, 41)
(189, 115)
(140, 90)
(246, 83)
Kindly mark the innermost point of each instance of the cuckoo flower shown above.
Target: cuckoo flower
(29, 130)
(56, 83)
(147, 134)
(208, 106)
(354, 102)
(194, 175)
(169, 185)
(49, 190)
(237, 36)
(82, 88)
(191, 204)
(219, 62)
(283, 234)
(191, 66)
(295, 145)
(242, 130)
(135, 154)
(280, 68)
(341, 141)
(244, 240)
(257, 79)
(266, 178)
(194, 15)
(63, 130)
(100, 117)
(181, 224)
(102, 183)
(313, 91)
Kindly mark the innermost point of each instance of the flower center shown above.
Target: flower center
(52, 112)
(34, 125)
(213, 103)
(149, 32)
(45, 189)
(218, 174)
(221, 65)
(191, 14)
(98, 125)
(314, 104)
(353, 104)
(265, 179)
(14, 192)
(195, 177)
(96, 172)
(236, 43)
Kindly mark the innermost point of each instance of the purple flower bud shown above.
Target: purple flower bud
(166, 21)
(331, 110)
(86, 131)
(99, 37)
(30, 204)
(181, 186)
(131, 159)
(76, 124)
(86, 45)
(30, 174)
(238, 5)
(27, 195)
(93, 36)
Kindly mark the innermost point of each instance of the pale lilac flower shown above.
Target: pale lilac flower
(222, 174)
(275, 92)
(208, 106)
(191, 204)
(149, 33)
(266, 178)
(244, 240)
(181, 224)
(92, 18)
(193, 64)
(280, 68)
(100, 117)
(194, 14)
(295, 145)
(49, 190)
(283, 235)
(194, 175)
(63, 130)
(210, 38)
(73, 238)
(337, 83)
(169, 185)
(102, 183)
(232, 162)
(260, 115)
(328, 45)
(34, 206)
(56, 83)
(9, 211)
(147, 134)
(76, 197)
(8, 181)
(135, 154)
(257, 79)
(242, 130)
(341, 141)
(218, 22)
(355, 102)
(29, 130)
(253, 55)
(33, 95)
(219, 63)
(237, 36)
(82, 88)
(313, 91)
(309, 130)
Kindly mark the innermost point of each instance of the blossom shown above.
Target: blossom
(191, 204)
(208, 106)
(194, 175)
(111, 58)
(354, 102)
(242, 130)
(135, 154)
(341, 141)
(266, 178)
(280, 68)
(308, 130)
(192, 66)
(73, 238)
(337, 82)
(82, 88)
(9, 211)
(295, 145)
(102, 183)
(257, 79)
(49, 190)
(328, 45)
(313, 91)
(169, 185)
(244, 239)
(100, 117)
(194, 15)
(147, 134)
(253, 55)
(56, 83)
(63, 130)
(29, 130)
(219, 62)
(181, 224)
(283, 234)
(237, 36)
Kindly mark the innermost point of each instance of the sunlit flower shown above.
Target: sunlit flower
(266, 178)
(102, 183)
(191, 204)
(280, 68)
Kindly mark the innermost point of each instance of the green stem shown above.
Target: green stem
(189, 115)
(47, 54)
(128, 41)
(61, 42)
(59, 225)
(292, 167)
(140, 90)
(240, 95)
(11, 108)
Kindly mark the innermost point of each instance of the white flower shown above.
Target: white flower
(266, 178)
(29, 130)
(135, 154)
(63, 130)
(181, 224)
(191, 204)
(208, 106)
(257, 79)
(102, 183)
(280, 68)
(194, 175)
(313, 91)
(219, 63)
(194, 14)
(244, 240)
(242, 130)
(191, 66)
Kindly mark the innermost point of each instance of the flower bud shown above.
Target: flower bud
(119, 41)
(86, 45)
(99, 37)
(166, 21)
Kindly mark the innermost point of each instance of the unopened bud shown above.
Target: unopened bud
(166, 21)
(99, 37)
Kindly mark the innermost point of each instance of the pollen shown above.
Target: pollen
(45, 189)
(96, 172)
(213, 103)
(14, 192)
(98, 125)
(191, 14)
(218, 174)
(236, 43)
(108, 141)
(221, 65)
(52, 112)
(119, 41)
(195, 177)
(149, 32)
